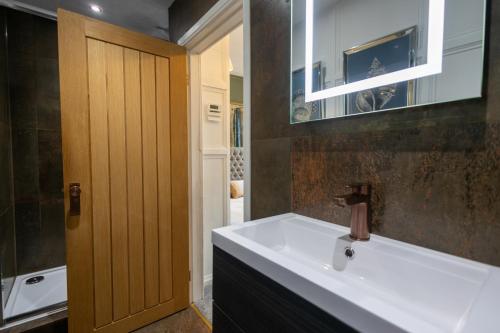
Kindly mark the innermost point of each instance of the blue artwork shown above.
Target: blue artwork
(302, 111)
(389, 54)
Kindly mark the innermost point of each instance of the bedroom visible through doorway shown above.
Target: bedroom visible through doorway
(237, 143)
(222, 145)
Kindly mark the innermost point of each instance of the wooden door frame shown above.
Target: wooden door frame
(218, 22)
(73, 30)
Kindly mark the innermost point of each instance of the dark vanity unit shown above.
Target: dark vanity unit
(248, 301)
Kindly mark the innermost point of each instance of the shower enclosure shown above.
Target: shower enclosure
(32, 247)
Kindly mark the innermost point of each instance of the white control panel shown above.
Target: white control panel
(214, 112)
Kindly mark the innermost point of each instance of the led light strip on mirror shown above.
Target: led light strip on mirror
(433, 66)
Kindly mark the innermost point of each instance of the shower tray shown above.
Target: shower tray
(36, 291)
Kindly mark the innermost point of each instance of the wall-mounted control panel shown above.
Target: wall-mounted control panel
(214, 112)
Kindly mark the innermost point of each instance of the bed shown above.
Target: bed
(237, 186)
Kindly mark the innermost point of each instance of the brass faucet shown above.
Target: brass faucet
(359, 200)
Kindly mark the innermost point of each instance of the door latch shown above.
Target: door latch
(74, 199)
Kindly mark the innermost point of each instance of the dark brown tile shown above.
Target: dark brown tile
(421, 196)
(52, 232)
(50, 164)
(22, 87)
(270, 69)
(46, 38)
(6, 190)
(21, 30)
(7, 243)
(36, 141)
(25, 161)
(271, 176)
(47, 78)
(23, 110)
(28, 237)
(4, 89)
(49, 114)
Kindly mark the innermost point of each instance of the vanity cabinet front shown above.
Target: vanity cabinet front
(248, 301)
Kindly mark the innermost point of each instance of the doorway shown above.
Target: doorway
(236, 127)
(220, 132)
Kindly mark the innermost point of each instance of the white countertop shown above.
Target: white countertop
(388, 286)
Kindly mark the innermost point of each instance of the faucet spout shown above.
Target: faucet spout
(359, 200)
(349, 199)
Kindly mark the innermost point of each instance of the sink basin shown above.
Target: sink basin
(386, 286)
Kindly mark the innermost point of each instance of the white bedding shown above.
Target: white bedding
(236, 210)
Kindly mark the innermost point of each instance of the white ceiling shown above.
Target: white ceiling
(146, 16)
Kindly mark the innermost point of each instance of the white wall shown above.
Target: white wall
(342, 25)
(214, 69)
(236, 50)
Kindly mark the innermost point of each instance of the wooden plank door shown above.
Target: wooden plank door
(124, 125)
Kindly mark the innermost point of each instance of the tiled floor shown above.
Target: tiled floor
(186, 321)
(205, 305)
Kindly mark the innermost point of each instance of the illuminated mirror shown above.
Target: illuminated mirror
(356, 56)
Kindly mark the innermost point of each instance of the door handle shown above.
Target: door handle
(74, 199)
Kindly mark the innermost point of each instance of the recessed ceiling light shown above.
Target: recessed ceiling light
(96, 8)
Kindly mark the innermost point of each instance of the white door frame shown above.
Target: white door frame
(218, 22)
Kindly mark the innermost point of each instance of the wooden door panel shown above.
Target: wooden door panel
(150, 173)
(164, 182)
(118, 179)
(99, 151)
(138, 238)
(114, 73)
(134, 168)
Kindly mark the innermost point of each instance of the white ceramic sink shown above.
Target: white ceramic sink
(388, 286)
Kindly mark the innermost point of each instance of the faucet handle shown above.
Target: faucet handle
(341, 200)
(360, 188)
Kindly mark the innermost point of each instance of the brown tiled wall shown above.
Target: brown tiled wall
(435, 169)
(36, 141)
(7, 236)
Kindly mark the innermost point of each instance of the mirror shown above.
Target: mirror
(356, 56)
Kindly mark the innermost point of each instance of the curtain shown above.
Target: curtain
(237, 128)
